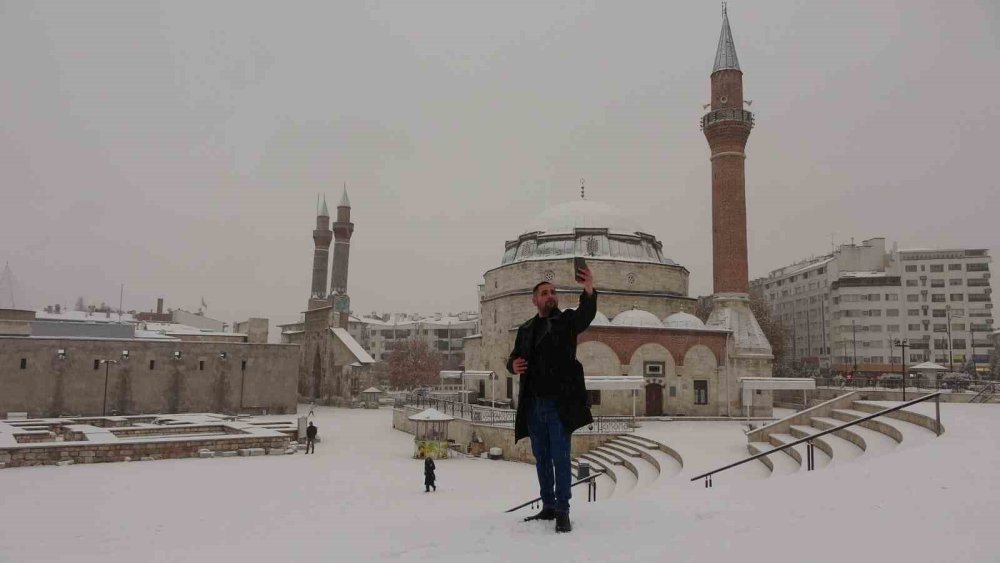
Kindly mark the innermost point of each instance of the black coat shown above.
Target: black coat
(311, 432)
(429, 471)
(557, 359)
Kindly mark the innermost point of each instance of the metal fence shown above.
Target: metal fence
(889, 383)
(505, 417)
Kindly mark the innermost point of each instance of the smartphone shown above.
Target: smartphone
(579, 264)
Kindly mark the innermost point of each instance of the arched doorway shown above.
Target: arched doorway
(654, 399)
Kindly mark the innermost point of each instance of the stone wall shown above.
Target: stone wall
(53, 453)
(149, 381)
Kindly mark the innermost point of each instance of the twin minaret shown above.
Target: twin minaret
(340, 234)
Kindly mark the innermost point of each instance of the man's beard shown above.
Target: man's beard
(550, 306)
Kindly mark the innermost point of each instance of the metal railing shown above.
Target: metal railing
(591, 491)
(505, 417)
(895, 383)
(810, 464)
(985, 394)
(727, 114)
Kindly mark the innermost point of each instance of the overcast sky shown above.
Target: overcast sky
(178, 148)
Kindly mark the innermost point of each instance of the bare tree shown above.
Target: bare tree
(414, 363)
(80, 306)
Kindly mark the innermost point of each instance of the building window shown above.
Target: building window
(653, 369)
(937, 268)
(958, 344)
(892, 328)
(892, 297)
(939, 313)
(243, 365)
(916, 357)
(594, 397)
(977, 267)
(97, 364)
(892, 312)
(911, 283)
(701, 392)
(201, 365)
(956, 297)
(978, 297)
(954, 267)
(978, 282)
(937, 283)
(24, 363)
(673, 390)
(912, 298)
(911, 268)
(937, 298)
(957, 281)
(913, 326)
(152, 364)
(913, 312)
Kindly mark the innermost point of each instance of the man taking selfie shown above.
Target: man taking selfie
(553, 397)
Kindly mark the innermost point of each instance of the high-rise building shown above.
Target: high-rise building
(846, 310)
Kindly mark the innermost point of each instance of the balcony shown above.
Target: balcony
(727, 114)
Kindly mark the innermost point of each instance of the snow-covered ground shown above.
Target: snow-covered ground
(361, 498)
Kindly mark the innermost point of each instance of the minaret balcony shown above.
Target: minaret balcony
(727, 114)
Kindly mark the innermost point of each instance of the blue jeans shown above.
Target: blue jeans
(550, 445)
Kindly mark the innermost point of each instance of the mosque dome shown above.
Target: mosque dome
(636, 318)
(583, 214)
(683, 320)
(600, 319)
(585, 228)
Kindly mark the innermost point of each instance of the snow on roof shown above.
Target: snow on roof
(928, 366)
(352, 345)
(431, 415)
(864, 274)
(372, 390)
(636, 318)
(83, 316)
(683, 320)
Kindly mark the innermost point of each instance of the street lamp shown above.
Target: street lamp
(107, 367)
(854, 330)
(951, 357)
(902, 344)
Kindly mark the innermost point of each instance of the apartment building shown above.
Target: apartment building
(847, 310)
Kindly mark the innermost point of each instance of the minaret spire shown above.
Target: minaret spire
(725, 55)
(324, 211)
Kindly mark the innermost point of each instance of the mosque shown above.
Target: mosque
(645, 353)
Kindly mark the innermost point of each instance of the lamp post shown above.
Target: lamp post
(951, 357)
(972, 343)
(854, 331)
(107, 367)
(902, 344)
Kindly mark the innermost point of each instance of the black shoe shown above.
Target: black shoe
(562, 522)
(544, 514)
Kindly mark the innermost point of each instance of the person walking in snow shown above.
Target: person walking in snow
(429, 476)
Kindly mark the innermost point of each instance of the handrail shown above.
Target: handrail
(591, 477)
(988, 390)
(810, 438)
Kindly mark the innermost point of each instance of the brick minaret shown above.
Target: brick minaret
(343, 228)
(321, 257)
(727, 128)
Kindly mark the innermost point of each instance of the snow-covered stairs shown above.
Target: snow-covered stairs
(631, 463)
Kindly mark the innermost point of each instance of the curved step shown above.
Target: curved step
(824, 423)
(904, 416)
(779, 463)
(646, 471)
(606, 483)
(837, 448)
(850, 415)
(626, 477)
(654, 445)
(798, 453)
(875, 442)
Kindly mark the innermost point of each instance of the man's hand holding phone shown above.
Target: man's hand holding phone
(582, 274)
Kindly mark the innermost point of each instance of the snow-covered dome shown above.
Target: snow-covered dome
(600, 319)
(636, 318)
(683, 320)
(583, 214)
(584, 228)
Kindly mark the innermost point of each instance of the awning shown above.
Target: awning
(614, 382)
(778, 383)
